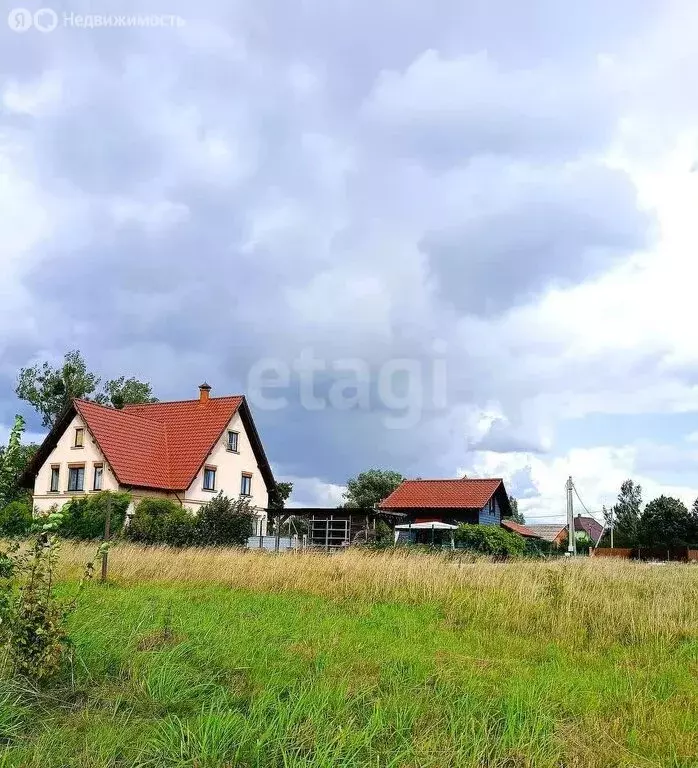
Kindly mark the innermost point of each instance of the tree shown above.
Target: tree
(694, 524)
(665, 522)
(371, 487)
(279, 494)
(123, 391)
(516, 516)
(626, 515)
(14, 459)
(50, 390)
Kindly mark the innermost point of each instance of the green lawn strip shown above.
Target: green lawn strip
(208, 676)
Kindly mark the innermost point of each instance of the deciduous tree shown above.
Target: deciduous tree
(665, 522)
(369, 488)
(50, 390)
(516, 516)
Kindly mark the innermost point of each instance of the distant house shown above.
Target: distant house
(556, 533)
(522, 530)
(187, 451)
(450, 502)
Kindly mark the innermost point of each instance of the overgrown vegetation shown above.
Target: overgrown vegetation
(383, 659)
(222, 521)
(32, 618)
(489, 540)
(83, 517)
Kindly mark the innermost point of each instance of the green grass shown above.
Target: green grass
(207, 676)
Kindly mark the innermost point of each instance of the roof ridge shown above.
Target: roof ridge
(173, 402)
(452, 479)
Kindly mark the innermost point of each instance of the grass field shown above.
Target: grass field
(223, 658)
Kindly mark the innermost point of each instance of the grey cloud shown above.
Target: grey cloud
(299, 227)
(558, 225)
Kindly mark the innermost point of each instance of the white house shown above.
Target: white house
(186, 450)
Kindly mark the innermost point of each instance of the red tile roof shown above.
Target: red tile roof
(159, 445)
(467, 493)
(522, 530)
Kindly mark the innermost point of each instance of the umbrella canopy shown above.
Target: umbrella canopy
(436, 526)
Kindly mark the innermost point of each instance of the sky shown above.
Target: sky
(445, 238)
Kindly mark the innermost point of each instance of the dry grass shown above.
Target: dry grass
(220, 658)
(599, 601)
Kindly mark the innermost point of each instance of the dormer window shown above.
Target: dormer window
(233, 441)
(79, 438)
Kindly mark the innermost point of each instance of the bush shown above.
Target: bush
(16, 518)
(225, 521)
(156, 520)
(179, 528)
(84, 517)
(489, 540)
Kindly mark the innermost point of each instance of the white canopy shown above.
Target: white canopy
(436, 526)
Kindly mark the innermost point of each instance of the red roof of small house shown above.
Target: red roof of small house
(522, 530)
(158, 445)
(466, 493)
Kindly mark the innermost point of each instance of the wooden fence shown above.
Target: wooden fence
(677, 554)
(608, 552)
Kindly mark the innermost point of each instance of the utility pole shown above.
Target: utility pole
(612, 521)
(571, 540)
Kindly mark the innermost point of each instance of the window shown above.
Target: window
(210, 479)
(76, 478)
(55, 477)
(246, 485)
(79, 437)
(97, 484)
(233, 441)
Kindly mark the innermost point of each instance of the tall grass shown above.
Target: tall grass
(580, 601)
(222, 658)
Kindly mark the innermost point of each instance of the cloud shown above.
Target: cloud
(367, 182)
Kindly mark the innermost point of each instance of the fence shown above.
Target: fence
(608, 552)
(269, 542)
(676, 554)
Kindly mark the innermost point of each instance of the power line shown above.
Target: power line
(576, 492)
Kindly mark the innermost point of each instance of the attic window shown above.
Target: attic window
(233, 441)
(79, 437)
(246, 485)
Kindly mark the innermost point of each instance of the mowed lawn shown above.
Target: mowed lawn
(249, 659)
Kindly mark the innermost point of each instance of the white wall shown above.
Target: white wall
(229, 468)
(64, 454)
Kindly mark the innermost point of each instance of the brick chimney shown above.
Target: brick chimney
(204, 392)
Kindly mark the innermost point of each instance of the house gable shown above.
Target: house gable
(229, 467)
(62, 453)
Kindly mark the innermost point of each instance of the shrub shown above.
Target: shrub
(32, 618)
(489, 540)
(16, 518)
(151, 520)
(179, 528)
(84, 518)
(225, 521)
